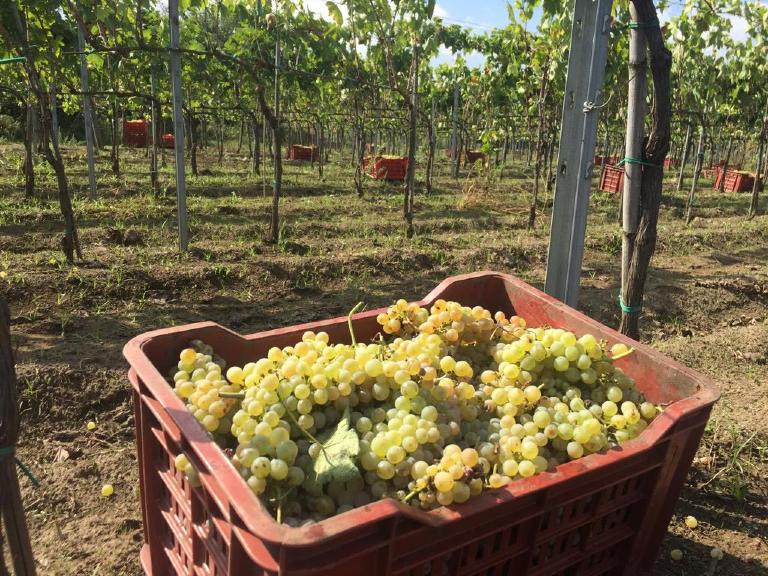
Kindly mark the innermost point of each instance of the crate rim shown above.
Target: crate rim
(248, 513)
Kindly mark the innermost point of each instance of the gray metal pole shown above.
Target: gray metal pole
(178, 124)
(277, 184)
(86, 113)
(154, 131)
(455, 134)
(696, 174)
(586, 69)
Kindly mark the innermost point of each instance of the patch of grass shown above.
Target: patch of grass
(734, 459)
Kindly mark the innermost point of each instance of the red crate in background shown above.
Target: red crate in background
(719, 176)
(738, 181)
(475, 155)
(167, 141)
(605, 160)
(304, 153)
(386, 167)
(612, 178)
(602, 515)
(135, 133)
(671, 163)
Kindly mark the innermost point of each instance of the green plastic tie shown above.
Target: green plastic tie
(639, 25)
(13, 60)
(630, 160)
(628, 309)
(7, 451)
(644, 25)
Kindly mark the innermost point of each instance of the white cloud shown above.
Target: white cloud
(738, 27)
(440, 12)
(473, 59)
(320, 8)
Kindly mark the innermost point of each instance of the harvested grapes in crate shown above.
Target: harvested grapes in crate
(441, 405)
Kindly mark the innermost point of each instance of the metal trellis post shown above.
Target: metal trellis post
(586, 69)
(88, 117)
(178, 124)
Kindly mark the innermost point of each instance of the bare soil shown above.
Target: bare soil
(706, 306)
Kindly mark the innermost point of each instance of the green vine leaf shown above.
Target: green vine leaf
(335, 13)
(336, 460)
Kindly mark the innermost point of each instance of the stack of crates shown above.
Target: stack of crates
(738, 181)
(167, 140)
(475, 155)
(304, 153)
(135, 133)
(386, 167)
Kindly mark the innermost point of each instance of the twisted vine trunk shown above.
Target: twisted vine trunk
(432, 142)
(11, 508)
(410, 175)
(656, 146)
(753, 205)
(48, 138)
(29, 161)
(255, 148)
(539, 146)
(684, 157)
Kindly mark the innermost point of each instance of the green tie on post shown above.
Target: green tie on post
(12, 60)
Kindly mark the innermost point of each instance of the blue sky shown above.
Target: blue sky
(483, 15)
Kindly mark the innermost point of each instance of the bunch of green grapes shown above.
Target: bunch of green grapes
(453, 478)
(453, 401)
(454, 323)
(200, 383)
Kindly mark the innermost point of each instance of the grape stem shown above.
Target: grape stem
(622, 355)
(234, 395)
(349, 321)
(305, 432)
(410, 495)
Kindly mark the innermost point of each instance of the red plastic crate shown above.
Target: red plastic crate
(135, 133)
(386, 167)
(671, 163)
(167, 141)
(305, 153)
(738, 181)
(605, 514)
(475, 155)
(719, 176)
(612, 179)
(604, 160)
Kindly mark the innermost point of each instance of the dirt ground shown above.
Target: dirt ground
(706, 306)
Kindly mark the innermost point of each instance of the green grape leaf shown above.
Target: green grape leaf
(341, 447)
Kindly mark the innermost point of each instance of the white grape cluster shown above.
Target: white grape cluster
(450, 401)
(200, 383)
